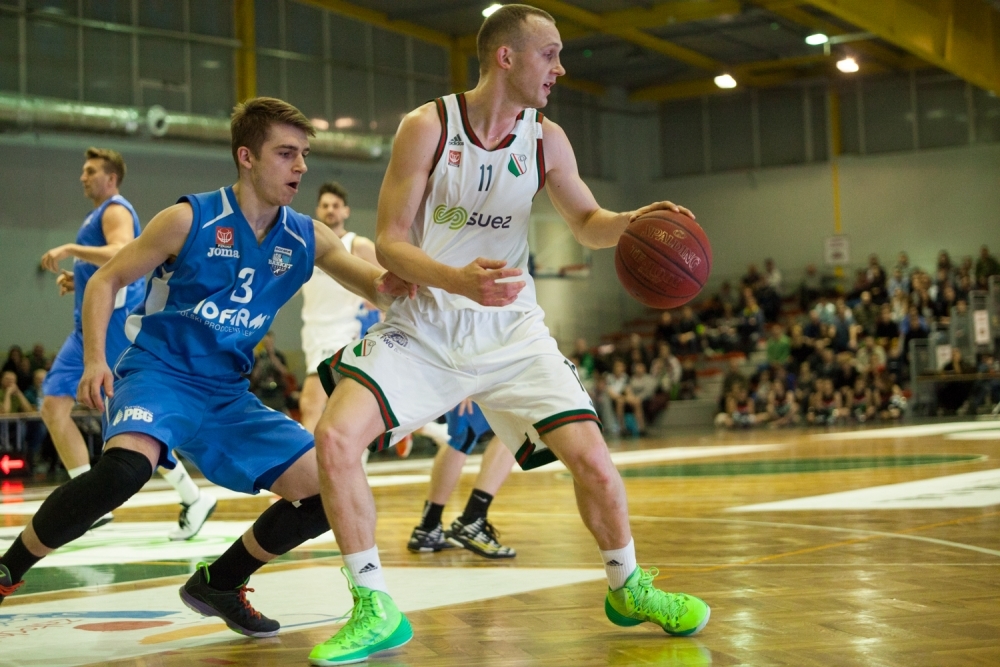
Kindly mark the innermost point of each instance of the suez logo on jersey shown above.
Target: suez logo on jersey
(133, 413)
(224, 244)
(457, 217)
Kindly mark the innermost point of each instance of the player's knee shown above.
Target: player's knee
(593, 467)
(334, 447)
(52, 409)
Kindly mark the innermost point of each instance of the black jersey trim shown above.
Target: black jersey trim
(467, 127)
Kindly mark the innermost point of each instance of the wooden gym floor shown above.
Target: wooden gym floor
(898, 563)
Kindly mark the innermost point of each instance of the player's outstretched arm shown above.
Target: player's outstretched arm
(361, 277)
(163, 239)
(592, 226)
(399, 200)
(116, 223)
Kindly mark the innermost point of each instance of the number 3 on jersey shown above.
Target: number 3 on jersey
(246, 275)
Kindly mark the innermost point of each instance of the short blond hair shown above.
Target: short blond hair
(251, 121)
(113, 161)
(504, 27)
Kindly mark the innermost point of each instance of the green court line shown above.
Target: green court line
(45, 579)
(788, 466)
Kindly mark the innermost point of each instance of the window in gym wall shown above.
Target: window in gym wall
(730, 133)
(9, 68)
(888, 115)
(163, 73)
(942, 112)
(212, 17)
(111, 11)
(163, 14)
(782, 126)
(212, 80)
(579, 115)
(52, 59)
(987, 114)
(851, 130)
(682, 146)
(107, 67)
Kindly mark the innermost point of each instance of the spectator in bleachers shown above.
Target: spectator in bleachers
(740, 410)
(951, 396)
(734, 375)
(622, 396)
(690, 333)
(813, 327)
(585, 366)
(38, 358)
(800, 348)
(942, 305)
(889, 399)
(772, 275)
(866, 313)
(36, 430)
(963, 287)
(826, 406)
(269, 378)
(900, 306)
(986, 266)
(728, 295)
(944, 262)
(666, 330)
(689, 381)
(914, 328)
(886, 326)
(846, 372)
(12, 399)
(661, 397)
(761, 385)
(898, 281)
(871, 357)
(826, 366)
(637, 351)
(644, 387)
(752, 279)
(964, 269)
(810, 287)
(782, 408)
(986, 390)
(24, 373)
(779, 346)
(805, 385)
(859, 400)
(751, 323)
(14, 355)
(604, 405)
(903, 262)
(875, 279)
(942, 280)
(725, 336)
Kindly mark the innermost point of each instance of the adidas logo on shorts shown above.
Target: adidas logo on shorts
(456, 141)
(370, 567)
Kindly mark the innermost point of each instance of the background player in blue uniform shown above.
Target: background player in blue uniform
(224, 263)
(472, 530)
(107, 229)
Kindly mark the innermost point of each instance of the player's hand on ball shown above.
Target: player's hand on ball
(479, 282)
(390, 287)
(660, 206)
(51, 259)
(96, 376)
(66, 282)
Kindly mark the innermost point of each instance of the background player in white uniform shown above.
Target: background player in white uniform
(457, 191)
(329, 310)
(110, 226)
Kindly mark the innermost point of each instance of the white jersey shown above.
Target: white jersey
(329, 314)
(478, 201)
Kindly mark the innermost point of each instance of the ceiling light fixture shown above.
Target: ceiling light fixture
(492, 8)
(725, 81)
(848, 65)
(817, 39)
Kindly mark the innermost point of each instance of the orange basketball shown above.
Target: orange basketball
(663, 259)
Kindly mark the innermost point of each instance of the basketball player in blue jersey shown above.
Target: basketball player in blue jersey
(223, 263)
(471, 530)
(107, 229)
(453, 218)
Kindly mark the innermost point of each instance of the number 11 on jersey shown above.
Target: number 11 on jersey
(485, 174)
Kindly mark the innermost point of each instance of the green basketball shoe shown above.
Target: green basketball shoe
(638, 601)
(376, 625)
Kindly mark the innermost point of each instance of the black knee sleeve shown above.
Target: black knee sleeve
(283, 526)
(72, 509)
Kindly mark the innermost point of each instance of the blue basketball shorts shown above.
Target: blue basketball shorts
(225, 430)
(67, 367)
(464, 431)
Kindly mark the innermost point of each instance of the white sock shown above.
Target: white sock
(76, 472)
(366, 569)
(619, 564)
(182, 482)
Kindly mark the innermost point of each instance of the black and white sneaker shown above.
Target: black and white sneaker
(231, 606)
(193, 517)
(7, 585)
(103, 521)
(428, 541)
(480, 537)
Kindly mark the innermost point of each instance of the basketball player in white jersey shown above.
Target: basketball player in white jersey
(107, 229)
(329, 311)
(453, 217)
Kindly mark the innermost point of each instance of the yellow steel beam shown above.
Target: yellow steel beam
(382, 20)
(597, 22)
(870, 50)
(246, 55)
(671, 13)
(962, 37)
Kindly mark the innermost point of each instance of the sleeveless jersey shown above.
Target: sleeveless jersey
(91, 234)
(206, 311)
(478, 201)
(330, 310)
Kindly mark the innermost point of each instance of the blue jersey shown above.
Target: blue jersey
(206, 311)
(91, 234)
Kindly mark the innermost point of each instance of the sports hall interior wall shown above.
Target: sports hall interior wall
(920, 201)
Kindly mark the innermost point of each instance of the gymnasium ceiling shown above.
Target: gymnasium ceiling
(665, 49)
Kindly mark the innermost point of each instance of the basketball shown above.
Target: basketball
(663, 259)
